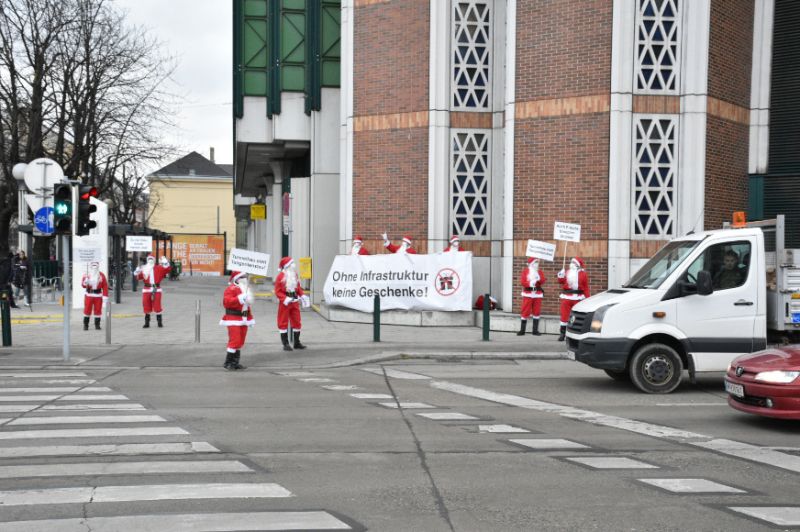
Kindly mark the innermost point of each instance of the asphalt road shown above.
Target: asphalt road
(295, 450)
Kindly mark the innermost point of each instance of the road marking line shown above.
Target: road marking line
(407, 405)
(396, 373)
(295, 373)
(56, 390)
(371, 395)
(49, 381)
(28, 374)
(500, 429)
(545, 443)
(91, 433)
(691, 404)
(93, 398)
(220, 522)
(690, 485)
(611, 462)
(123, 468)
(108, 449)
(316, 379)
(753, 453)
(446, 416)
(18, 408)
(155, 492)
(64, 420)
(777, 515)
(340, 387)
(94, 406)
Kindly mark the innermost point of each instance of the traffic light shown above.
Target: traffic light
(62, 208)
(85, 210)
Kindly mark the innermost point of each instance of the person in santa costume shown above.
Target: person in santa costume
(238, 302)
(358, 247)
(151, 274)
(455, 245)
(574, 287)
(95, 295)
(404, 247)
(290, 295)
(532, 280)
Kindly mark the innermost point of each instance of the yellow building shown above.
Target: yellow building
(193, 195)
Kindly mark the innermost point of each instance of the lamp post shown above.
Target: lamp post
(23, 240)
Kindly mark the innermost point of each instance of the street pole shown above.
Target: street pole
(67, 293)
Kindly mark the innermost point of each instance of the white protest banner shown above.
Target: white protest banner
(540, 250)
(441, 281)
(566, 231)
(242, 260)
(138, 243)
(87, 254)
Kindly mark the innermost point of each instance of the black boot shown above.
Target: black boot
(522, 325)
(236, 357)
(86, 323)
(146, 321)
(562, 333)
(535, 331)
(297, 344)
(160, 320)
(97, 323)
(285, 342)
(229, 365)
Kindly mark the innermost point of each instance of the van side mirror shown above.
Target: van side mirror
(704, 284)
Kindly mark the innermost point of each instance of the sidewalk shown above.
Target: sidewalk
(38, 336)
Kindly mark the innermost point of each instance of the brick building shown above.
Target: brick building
(641, 120)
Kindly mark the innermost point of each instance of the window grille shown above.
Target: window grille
(469, 183)
(657, 39)
(471, 48)
(654, 179)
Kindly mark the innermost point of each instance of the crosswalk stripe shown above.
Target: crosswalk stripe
(123, 468)
(31, 398)
(32, 375)
(17, 408)
(57, 389)
(90, 433)
(67, 420)
(93, 398)
(219, 522)
(93, 406)
(6, 382)
(153, 492)
(108, 449)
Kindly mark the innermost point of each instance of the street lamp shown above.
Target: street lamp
(23, 239)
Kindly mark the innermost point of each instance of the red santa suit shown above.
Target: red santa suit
(574, 288)
(237, 300)
(289, 294)
(152, 275)
(455, 245)
(405, 247)
(95, 286)
(532, 293)
(358, 247)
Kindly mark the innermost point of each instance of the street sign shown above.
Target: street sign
(43, 220)
(40, 176)
(258, 211)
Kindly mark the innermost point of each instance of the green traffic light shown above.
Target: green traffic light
(62, 208)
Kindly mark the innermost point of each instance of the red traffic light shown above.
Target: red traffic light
(88, 192)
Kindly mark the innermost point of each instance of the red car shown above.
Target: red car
(766, 383)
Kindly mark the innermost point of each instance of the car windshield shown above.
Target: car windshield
(663, 263)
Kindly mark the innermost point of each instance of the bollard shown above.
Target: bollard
(108, 321)
(197, 322)
(5, 309)
(486, 317)
(376, 319)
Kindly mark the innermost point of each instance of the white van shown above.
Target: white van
(698, 303)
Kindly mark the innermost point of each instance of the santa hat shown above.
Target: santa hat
(285, 263)
(357, 240)
(151, 257)
(532, 259)
(235, 276)
(578, 260)
(407, 240)
(454, 239)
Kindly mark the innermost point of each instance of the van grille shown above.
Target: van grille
(579, 322)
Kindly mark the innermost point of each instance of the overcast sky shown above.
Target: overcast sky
(198, 34)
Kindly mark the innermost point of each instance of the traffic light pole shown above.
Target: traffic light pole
(67, 292)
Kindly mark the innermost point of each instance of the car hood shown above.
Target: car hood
(784, 358)
(612, 297)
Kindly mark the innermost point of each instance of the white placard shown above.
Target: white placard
(441, 281)
(253, 262)
(87, 254)
(568, 232)
(540, 250)
(138, 243)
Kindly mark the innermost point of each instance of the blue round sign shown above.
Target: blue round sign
(43, 220)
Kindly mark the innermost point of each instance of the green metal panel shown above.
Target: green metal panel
(274, 80)
(238, 103)
(293, 45)
(755, 198)
(330, 42)
(255, 48)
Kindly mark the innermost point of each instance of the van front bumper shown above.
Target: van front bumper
(601, 353)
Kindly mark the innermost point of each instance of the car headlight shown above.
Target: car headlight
(777, 376)
(597, 318)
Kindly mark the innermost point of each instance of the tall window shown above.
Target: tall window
(471, 54)
(469, 183)
(654, 181)
(657, 39)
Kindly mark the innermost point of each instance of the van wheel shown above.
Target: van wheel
(656, 368)
(621, 375)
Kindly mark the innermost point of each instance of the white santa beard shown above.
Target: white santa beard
(403, 248)
(290, 281)
(572, 278)
(94, 279)
(533, 276)
(356, 249)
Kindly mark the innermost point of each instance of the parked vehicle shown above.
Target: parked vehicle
(766, 383)
(697, 304)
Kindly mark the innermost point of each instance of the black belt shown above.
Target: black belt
(573, 291)
(157, 285)
(98, 291)
(292, 295)
(231, 312)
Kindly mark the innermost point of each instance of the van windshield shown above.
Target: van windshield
(663, 263)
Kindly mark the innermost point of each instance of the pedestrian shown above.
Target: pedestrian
(23, 274)
(290, 295)
(404, 247)
(7, 277)
(454, 245)
(532, 280)
(95, 296)
(151, 274)
(238, 302)
(358, 247)
(574, 287)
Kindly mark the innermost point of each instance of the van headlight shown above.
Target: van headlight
(777, 376)
(597, 318)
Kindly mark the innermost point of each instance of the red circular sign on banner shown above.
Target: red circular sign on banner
(447, 282)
